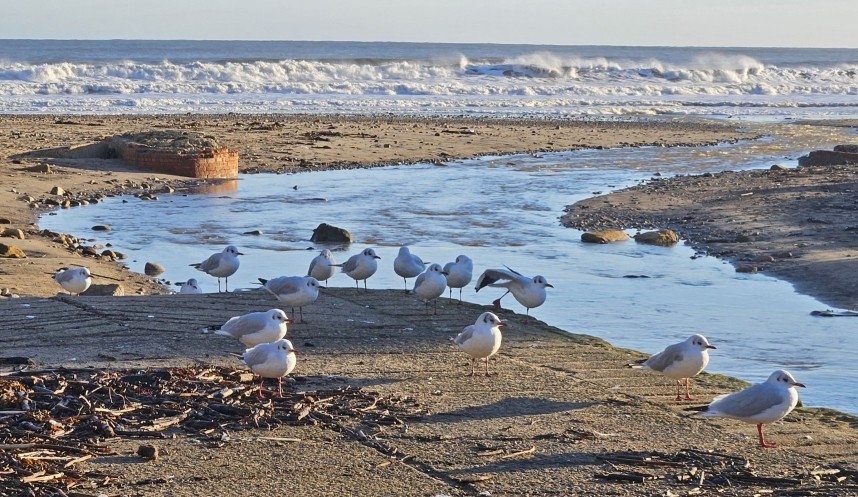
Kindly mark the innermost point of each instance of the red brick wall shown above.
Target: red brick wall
(202, 164)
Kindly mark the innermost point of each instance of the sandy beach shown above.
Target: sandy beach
(565, 416)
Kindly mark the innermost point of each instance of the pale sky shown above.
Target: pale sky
(742, 23)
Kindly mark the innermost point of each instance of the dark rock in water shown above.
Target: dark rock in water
(827, 158)
(101, 227)
(663, 238)
(747, 268)
(153, 269)
(325, 233)
(851, 149)
(253, 232)
(11, 252)
(109, 290)
(604, 236)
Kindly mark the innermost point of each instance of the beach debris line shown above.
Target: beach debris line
(53, 420)
(717, 472)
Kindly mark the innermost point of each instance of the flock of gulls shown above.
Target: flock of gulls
(270, 355)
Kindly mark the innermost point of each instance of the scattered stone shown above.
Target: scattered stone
(89, 251)
(778, 167)
(4, 220)
(326, 233)
(764, 258)
(11, 252)
(153, 269)
(827, 158)
(744, 238)
(782, 255)
(148, 452)
(663, 238)
(39, 168)
(57, 191)
(253, 232)
(12, 233)
(168, 189)
(604, 236)
(851, 148)
(101, 227)
(747, 268)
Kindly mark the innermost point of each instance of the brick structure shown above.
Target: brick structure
(192, 162)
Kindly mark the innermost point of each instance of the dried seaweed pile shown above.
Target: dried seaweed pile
(707, 471)
(50, 421)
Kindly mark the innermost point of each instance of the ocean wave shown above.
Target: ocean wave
(537, 74)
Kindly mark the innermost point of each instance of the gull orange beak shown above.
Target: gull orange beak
(797, 384)
(293, 351)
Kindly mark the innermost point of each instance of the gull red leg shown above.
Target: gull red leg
(497, 303)
(687, 392)
(763, 442)
(280, 386)
(473, 366)
(678, 391)
(261, 380)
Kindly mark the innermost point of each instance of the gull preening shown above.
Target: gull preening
(293, 291)
(271, 360)
(256, 327)
(761, 404)
(191, 286)
(221, 265)
(529, 292)
(75, 281)
(361, 266)
(407, 265)
(459, 274)
(682, 361)
(482, 339)
(431, 284)
(323, 266)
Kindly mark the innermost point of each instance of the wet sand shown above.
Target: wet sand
(569, 398)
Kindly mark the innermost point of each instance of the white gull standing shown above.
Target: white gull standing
(431, 284)
(271, 360)
(682, 360)
(761, 404)
(407, 265)
(192, 286)
(75, 281)
(293, 291)
(221, 265)
(256, 327)
(529, 292)
(459, 274)
(323, 267)
(361, 266)
(482, 339)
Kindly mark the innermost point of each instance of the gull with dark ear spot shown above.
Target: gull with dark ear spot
(322, 267)
(482, 339)
(459, 274)
(361, 266)
(682, 361)
(293, 291)
(407, 265)
(256, 327)
(761, 404)
(221, 265)
(430, 285)
(75, 281)
(271, 360)
(529, 292)
(190, 287)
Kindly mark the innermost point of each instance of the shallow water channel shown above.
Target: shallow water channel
(505, 211)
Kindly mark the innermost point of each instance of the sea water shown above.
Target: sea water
(505, 211)
(146, 76)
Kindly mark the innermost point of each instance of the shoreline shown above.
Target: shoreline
(562, 402)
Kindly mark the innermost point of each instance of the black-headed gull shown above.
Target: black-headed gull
(431, 284)
(482, 339)
(221, 265)
(682, 360)
(192, 286)
(407, 265)
(271, 360)
(761, 404)
(459, 274)
(322, 267)
(256, 327)
(75, 281)
(293, 291)
(361, 266)
(529, 292)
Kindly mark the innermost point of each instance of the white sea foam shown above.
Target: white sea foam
(439, 79)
